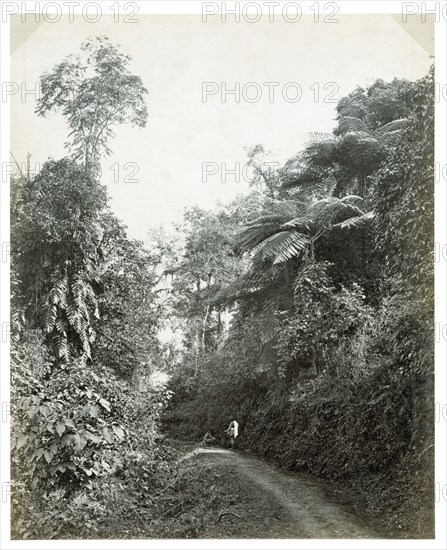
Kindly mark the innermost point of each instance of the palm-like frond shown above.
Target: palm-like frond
(390, 134)
(251, 236)
(351, 124)
(300, 223)
(391, 139)
(317, 137)
(356, 221)
(330, 211)
(282, 246)
(315, 210)
(346, 211)
(320, 155)
(269, 222)
(304, 177)
(393, 126)
(287, 207)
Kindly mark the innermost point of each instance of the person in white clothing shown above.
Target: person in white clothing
(233, 432)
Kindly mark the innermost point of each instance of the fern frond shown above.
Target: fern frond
(317, 137)
(330, 211)
(252, 236)
(356, 221)
(283, 246)
(391, 139)
(269, 222)
(61, 345)
(300, 177)
(49, 317)
(58, 293)
(352, 124)
(78, 290)
(326, 186)
(301, 223)
(315, 210)
(393, 126)
(287, 207)
(61, 326)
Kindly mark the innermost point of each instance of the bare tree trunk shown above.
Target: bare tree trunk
(204, 326)
(219, 324)
(28, 166)
(196, 354)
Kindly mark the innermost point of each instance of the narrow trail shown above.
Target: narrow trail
(272, 503)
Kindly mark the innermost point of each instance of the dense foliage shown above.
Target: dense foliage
(85, 318)
(303, 309)
(328, 360)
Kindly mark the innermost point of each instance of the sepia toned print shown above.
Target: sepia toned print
(222, 272)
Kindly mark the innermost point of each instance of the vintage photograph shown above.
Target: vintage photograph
(221, 260)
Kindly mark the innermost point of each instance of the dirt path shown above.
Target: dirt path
(272, 503)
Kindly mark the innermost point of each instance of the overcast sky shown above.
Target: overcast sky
(175, 55)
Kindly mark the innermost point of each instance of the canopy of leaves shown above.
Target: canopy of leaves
(94, 92)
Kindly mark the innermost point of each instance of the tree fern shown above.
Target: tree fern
(282, 247)
(268, 222)
(353, 151)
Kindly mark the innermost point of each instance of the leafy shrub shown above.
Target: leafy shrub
(66, 426)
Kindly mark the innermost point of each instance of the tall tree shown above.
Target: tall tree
(94, 92)
(350, 155)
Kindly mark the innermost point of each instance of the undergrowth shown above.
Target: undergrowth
(162, 499)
